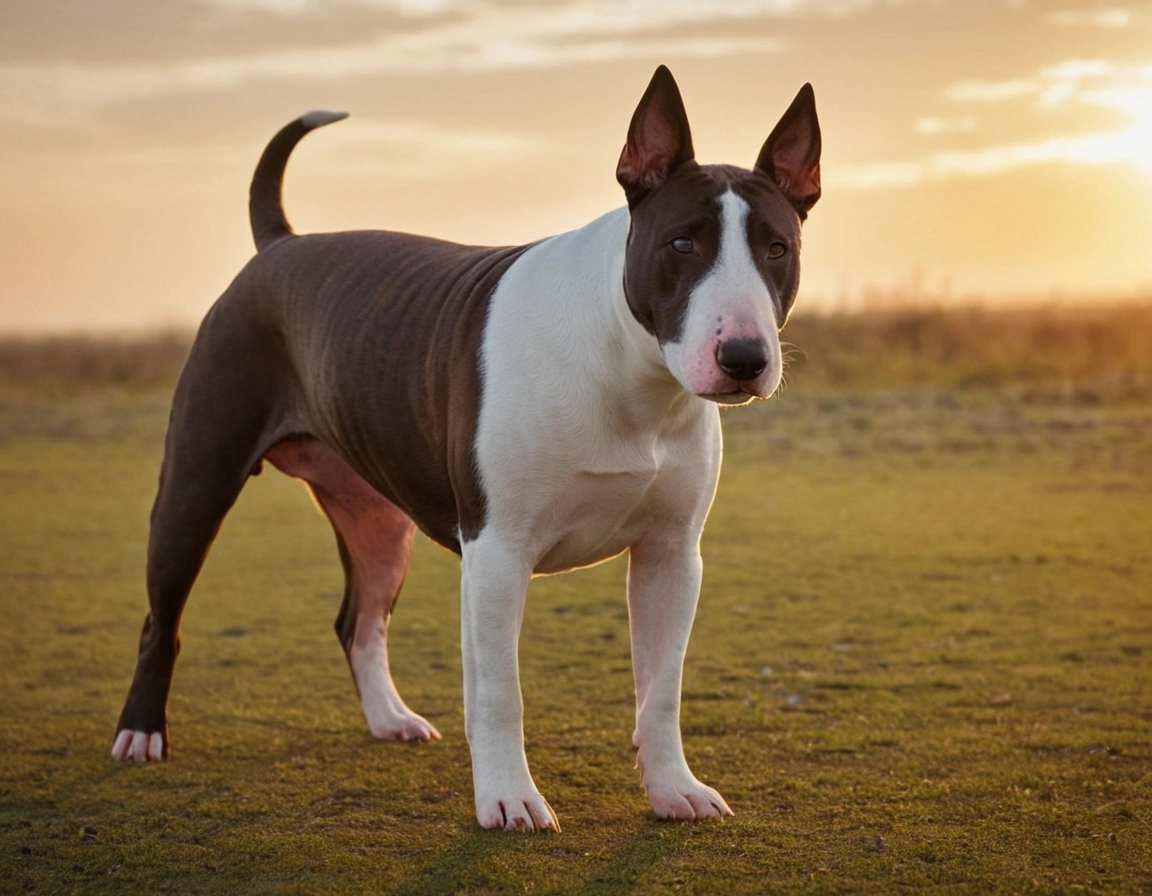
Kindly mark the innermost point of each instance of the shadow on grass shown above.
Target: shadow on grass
(480, 861)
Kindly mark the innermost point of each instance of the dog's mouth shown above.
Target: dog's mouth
(734, 398)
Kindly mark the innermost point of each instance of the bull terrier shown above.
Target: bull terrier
(532, 408)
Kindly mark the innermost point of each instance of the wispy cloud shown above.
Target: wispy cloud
(604, 10)
(439, 36)
(408, 149)
(1084, 149)
(933, 126)
(54, 93)
(1052, 85)
(991, 91)
(1115, 17)
(298, 7)
(477, 37)
(1088, 149)
(1123, 88)
(1126, 88)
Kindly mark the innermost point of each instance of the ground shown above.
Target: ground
(922, 659)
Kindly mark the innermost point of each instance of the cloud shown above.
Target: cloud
(1087, 149)
(991, 92)
(415, 8)
(1091, 82)
(1053, 84)
(653, 11)
(1125, 88)
(431, 36)
(1084, 149)
(479, 38)
(934, 127)
(54, 93)
(1115, 17)
(408, 149)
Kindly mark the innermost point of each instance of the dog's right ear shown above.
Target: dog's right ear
(659, 140)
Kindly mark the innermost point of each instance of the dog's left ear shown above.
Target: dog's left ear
(791, 154)
(659, 141)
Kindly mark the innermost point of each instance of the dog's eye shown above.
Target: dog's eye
(682, 244)
(776, 249)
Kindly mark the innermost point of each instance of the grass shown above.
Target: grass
(922, 660)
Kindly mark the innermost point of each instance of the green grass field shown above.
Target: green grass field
(922, 659)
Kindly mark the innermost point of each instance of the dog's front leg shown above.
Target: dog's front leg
(493, 592)
(663, 587)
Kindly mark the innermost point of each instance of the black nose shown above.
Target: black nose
(742, 359)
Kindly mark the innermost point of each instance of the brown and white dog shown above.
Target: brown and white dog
(534, 409)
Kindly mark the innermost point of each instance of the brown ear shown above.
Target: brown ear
(791, 154)
(659, 141)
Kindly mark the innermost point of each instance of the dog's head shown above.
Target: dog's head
(713, 257)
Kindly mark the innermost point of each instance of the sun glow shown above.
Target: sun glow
(1126, 89)
(973, 141)
(1134, 99)
(1074, 85)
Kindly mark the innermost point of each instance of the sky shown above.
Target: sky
(974, 150)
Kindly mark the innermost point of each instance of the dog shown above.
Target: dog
(534, 409)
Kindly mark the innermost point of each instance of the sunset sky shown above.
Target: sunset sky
(972, 148)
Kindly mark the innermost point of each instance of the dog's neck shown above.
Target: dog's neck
(629, 368)
(580, 344)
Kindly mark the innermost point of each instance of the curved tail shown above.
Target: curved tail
(265, 209)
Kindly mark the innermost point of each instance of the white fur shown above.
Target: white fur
(731, 302)
(388, 716)
(586, 446)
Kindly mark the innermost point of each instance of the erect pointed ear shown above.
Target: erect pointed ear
(791, 154)
(659, 141)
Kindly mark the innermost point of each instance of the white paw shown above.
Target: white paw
(138, 746)
(527, 814)
(686, 799)
(388, 716)
(401, 725)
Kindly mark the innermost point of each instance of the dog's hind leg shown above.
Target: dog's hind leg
(214, 441)
(375, 541)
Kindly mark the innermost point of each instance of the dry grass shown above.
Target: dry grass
(1106, 347)
(72, 364)
(921, 660)
(1091, 348)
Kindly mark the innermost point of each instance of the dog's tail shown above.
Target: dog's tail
(265, 209)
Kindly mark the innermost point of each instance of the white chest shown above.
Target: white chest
(571, 496)
(594, 516)
(585, 442)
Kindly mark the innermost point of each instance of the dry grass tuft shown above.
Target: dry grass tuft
(1092, 349)
(1106, 347)
(67, 364)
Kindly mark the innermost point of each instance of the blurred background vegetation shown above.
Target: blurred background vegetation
(1085, 353)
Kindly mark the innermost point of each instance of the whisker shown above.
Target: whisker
(792, 350)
